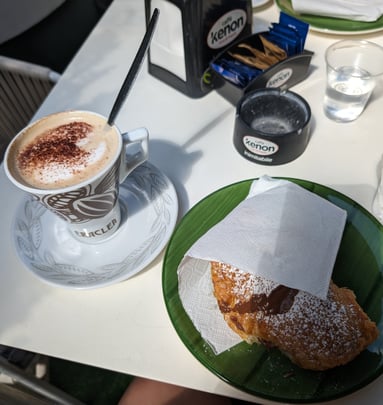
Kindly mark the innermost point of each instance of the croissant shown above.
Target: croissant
(315, 334)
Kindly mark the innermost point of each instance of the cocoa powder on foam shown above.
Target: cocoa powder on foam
(62, 150)
(58, 145)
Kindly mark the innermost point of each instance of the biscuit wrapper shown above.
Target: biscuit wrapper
(281, 232)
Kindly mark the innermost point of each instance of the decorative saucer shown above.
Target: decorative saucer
(149, 210)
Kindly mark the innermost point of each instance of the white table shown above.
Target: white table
(125, 327)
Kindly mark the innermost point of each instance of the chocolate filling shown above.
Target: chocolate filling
(279, 301)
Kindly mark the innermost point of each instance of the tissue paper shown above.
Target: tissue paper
(358, 10)
(281, 232)
(377, 204)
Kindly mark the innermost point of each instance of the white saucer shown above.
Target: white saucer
(149, 208)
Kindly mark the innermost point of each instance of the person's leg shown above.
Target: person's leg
(142, 391)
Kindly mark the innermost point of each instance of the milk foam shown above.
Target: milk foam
(64, 149)
(52, 174)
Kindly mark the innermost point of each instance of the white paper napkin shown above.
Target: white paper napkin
(377, 204)
(281, 232)
(358, 10)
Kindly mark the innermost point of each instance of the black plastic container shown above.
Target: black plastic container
(189, 34)
(283, 75)
(272, 126)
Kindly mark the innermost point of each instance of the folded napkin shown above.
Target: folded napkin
(358, 10)
(281, 232)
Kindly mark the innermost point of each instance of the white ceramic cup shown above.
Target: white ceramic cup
(89, 206)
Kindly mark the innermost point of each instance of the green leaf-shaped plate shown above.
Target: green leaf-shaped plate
(268, 373)
(332, 25)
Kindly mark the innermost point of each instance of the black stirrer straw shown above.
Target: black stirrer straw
(135, 67)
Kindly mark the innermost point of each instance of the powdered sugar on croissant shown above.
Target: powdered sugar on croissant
(315, 334)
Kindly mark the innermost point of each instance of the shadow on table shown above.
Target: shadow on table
(177, 164)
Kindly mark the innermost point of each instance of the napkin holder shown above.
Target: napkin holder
(189, 34)
(283, 75)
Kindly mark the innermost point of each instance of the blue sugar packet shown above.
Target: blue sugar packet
(285, 43)
(236, 72)
(284, 31)
(289, 34)
(299, 26)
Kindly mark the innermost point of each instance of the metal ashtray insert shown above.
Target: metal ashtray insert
(272, 126)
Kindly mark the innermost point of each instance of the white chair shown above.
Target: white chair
(23, 88)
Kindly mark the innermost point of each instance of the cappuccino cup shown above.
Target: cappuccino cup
(73, 162)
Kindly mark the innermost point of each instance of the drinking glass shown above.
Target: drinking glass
(353, 69)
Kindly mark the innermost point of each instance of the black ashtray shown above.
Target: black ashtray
(272, 126)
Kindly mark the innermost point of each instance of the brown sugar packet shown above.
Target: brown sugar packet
(264, 57)
(272, 49)
(271, 55)
(250, 61)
